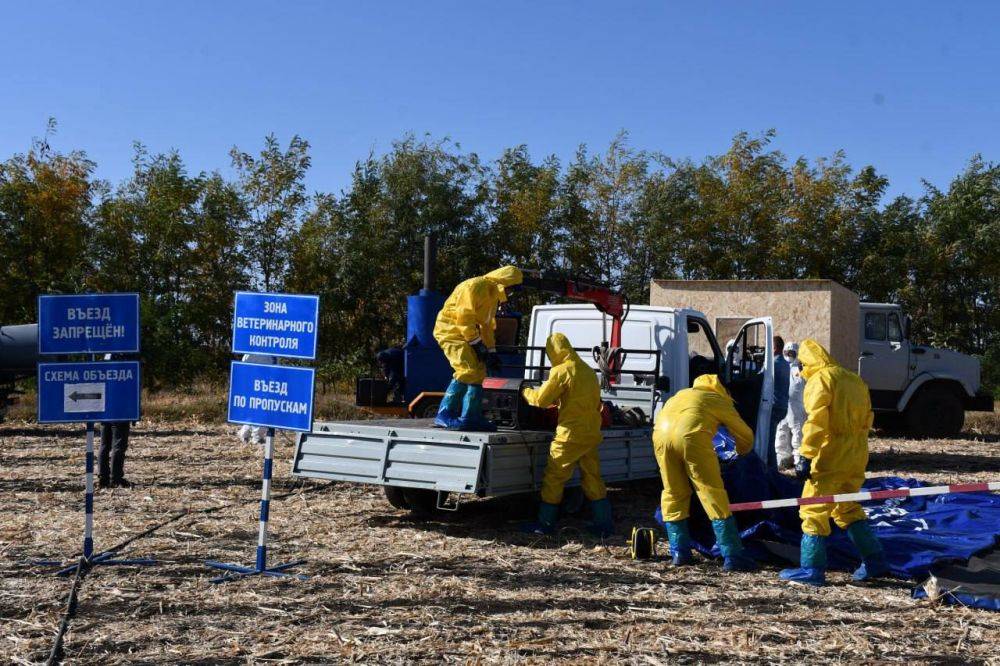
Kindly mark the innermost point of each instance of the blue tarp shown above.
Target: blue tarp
(916, 532)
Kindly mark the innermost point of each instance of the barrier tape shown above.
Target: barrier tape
(867, 496)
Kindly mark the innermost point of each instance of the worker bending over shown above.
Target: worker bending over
(834, 455)
(464, 329)
(682, 442)
(573, 386)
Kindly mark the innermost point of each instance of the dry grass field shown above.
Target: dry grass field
(386, 587)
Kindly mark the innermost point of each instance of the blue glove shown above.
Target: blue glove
(724, 444)
(480, 348)
(803, 468)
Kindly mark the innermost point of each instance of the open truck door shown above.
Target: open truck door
(749, 375)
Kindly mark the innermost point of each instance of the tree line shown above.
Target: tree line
(624, 215)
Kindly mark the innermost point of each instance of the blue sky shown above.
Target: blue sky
(911, 87)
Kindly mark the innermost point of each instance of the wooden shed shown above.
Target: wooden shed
(820, 309)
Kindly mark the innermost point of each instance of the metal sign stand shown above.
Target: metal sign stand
(89, 559)
(260, 569)
(116, 314)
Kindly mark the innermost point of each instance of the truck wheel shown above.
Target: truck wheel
(420, 501)
(890, 423)
(396, 497)
(427, 409)
(935, 412)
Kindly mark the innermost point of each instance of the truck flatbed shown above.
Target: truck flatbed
(410, 453)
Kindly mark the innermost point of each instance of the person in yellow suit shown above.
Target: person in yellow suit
(682, 442)
(834, 455)
(464, 329)
(574, 387)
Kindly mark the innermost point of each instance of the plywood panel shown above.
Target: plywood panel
(845, 313)
(818, 309)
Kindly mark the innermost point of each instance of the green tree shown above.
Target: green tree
(605, 231)
(958, 275)
(45, 221)
(274, 195)
(523, 207)
(734, 213)
(832, 220)
(173, 238)
(371, 243)
(891, 245)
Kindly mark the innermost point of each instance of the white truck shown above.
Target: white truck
(930, 389)
(423, 468)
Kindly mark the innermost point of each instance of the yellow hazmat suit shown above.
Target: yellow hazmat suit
(468, 316)
(834, 438)
(573, 385)
(682, 442)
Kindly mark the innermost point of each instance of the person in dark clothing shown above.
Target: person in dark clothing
(780, 405)
(391, 361)
(111, 455)
(111, 458)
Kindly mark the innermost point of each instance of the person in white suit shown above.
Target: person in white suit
(789, 435)
(249, 433)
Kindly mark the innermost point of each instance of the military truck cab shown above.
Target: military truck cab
(930, 388)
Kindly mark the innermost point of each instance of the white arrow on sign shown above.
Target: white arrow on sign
(87, 397)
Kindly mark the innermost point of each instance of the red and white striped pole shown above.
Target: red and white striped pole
(866, 496)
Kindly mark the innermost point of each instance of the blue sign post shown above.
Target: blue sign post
(88, 392)
(271, 396)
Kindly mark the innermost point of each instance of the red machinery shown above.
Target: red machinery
(608, 301)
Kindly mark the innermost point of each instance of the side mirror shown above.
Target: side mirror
(907, 324)
(663, 384)
(693, 326)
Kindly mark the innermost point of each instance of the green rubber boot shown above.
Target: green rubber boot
(735, 557)
(602, 525)
(451, 406)
(812, 560)
(680, 542)
(548, 514)
(873, 564)
(472, 411)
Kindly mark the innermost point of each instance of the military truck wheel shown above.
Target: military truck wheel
(396, 497)
(890, 423)
(421, 501)
(935, 412)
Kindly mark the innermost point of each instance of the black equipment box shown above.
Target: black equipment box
(372, 392)
(505, 407)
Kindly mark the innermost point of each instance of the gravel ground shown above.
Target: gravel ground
(387, 587)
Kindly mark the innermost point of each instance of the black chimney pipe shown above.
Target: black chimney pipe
(430, 260)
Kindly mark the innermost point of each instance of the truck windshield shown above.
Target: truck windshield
(703, 351)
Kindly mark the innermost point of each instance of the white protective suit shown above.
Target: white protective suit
(788, 438)
(249, 433)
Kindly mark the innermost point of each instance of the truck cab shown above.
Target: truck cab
(931, 388)
(681, 344)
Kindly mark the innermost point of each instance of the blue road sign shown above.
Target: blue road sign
(82, 392)
(273, 396)
(88, 324)
(275, 324)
